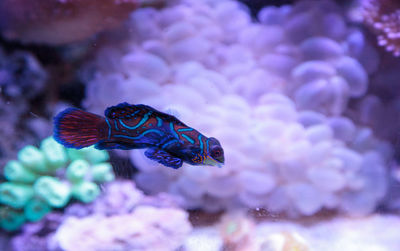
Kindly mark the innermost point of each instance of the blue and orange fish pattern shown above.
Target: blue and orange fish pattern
(169, 141)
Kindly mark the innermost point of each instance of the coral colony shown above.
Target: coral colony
(274, 92)
(121, 218)
(383, 17)
(48, 177)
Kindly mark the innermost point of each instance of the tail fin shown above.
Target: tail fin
(77, 129)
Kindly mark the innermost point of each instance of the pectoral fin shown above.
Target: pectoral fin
(163, 157)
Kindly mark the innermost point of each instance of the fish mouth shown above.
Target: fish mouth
(213, 162)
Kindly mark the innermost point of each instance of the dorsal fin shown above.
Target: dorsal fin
(122, 111)
(126, 111)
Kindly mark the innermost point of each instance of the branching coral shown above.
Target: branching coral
(274, 94)
(383, 16)
(47, 178)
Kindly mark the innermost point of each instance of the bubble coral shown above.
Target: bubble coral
(273, 92)
(383, 16)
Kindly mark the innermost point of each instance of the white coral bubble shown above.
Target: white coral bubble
(222, 186)
(146, 65)
(319, 133)
(257, 182)
(343, 128)
(274, 93)
(320, 48)
(327, 179)
(312, 70)
(329, 96)
(355, 75)
(310, 118)
(178, 31)
(182, 50)
(306, 198)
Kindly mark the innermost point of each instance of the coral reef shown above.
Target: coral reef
(274, 92)
(118, 198)
(383, 16)
(303, 103)
(61, 22)
(46, 178)
(146, 228)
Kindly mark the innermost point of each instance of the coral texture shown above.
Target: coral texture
(36, 235)
(119, 197)
(383, 16)
(274, 93)
(46, 178)
(146, 228)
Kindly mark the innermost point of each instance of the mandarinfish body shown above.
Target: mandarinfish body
(169, 141)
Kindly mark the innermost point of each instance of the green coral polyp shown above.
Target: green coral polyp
(53, 191)
(36, 209)
(11, 219)
(86, 191)
(54, 153)
(94, 155)
(102, 172)
(15, 195)
(74, 154)
(32, 158)
(91, 154)
(15, 171)
(77, 170)
(35, 185)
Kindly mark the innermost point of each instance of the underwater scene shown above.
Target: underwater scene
(200, 125)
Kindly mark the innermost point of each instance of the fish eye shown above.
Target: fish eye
(216, 152)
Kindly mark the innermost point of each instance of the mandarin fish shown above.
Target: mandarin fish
(169, 141)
